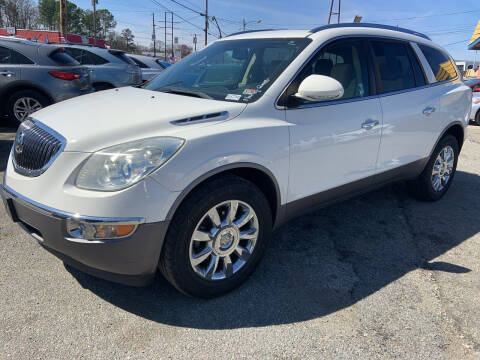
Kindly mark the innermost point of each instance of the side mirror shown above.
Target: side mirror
(319, 88)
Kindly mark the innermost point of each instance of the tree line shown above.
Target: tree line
(27, 14)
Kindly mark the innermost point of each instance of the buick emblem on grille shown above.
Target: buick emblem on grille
(19, 142)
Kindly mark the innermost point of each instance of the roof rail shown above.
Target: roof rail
(248, 31)
(369, 25)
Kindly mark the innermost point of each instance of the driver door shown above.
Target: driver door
(334, 143)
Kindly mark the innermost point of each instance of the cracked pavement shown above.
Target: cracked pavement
(380, 276)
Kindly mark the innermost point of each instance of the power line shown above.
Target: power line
(427, 16)
(176, 14)
(186, 7)
(457, 42)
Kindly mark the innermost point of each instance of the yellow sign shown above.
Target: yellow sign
(474, 43)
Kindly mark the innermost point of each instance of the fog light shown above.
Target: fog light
(98, 231)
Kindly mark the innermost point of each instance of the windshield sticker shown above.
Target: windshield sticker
(234, 97)
(249, 92)
(265, 82)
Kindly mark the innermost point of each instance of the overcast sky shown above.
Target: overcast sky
(449, 23)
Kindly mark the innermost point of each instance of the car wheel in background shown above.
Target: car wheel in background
(101, 87)
(25, 102)
(217, 237)
(477, 118)
(438, 175)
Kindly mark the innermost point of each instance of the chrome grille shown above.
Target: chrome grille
(35, 148)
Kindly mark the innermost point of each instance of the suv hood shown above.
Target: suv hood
(96, 121)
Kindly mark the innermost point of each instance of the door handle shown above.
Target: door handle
(369, 124)
(7, 73)
(429, 110)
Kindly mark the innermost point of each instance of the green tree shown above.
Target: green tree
(128, 37)
(106, 21)
(47, 11)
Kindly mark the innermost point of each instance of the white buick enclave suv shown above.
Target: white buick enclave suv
(190, 173)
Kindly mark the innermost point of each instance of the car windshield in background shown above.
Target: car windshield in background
(232, 70)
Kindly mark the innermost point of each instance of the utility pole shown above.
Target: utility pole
(195, 41)
(206, 21)
(154, 39)
(94, 4)
(63, 19)
(334, 13)
(244, 23)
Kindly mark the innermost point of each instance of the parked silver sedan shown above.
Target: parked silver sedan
(149, 65)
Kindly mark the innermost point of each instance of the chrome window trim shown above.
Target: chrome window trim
(424, 63)
(64, 215)
(38, 172)
(342, 101)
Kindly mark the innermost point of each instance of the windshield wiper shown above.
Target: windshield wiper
(186, 92)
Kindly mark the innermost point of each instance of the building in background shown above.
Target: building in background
(474, 44)
(48, 36)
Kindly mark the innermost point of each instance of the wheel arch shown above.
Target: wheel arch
(255, 173)
(456, 129)
(19, 86)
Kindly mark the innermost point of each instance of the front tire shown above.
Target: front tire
(439, 172)
(217, 237)
(477, 118)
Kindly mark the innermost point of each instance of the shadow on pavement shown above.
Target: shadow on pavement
(322, 262)
(7, 135)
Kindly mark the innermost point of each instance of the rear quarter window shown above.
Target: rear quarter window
(442, 66)
(139, 63)
(62, 58)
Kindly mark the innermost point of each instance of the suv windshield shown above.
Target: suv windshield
(233, 70)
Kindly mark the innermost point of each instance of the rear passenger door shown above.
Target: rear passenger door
(9, 70)
(409, 107)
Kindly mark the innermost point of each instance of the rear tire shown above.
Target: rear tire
(25, 102)
(477, 118)
(102, 87)
(439, 172)
(181, 251)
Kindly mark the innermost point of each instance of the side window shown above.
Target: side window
(417, 68)
(443, 68)
(139, 63)
(345, 61)
(77, 54)
(5, 57)
(18, 58)
(394, 66)
(93, 59)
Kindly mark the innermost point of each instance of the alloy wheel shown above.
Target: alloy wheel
(25, 106)
(223, 240)
(443, 168)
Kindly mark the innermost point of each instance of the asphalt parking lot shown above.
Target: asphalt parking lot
(380, 276)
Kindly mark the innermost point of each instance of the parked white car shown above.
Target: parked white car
(191, 173)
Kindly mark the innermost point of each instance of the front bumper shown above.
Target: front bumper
(132, 260)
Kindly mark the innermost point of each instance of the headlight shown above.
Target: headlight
(120, 166)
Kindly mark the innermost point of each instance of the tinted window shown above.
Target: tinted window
(93, 59)
(417, 69)
(62, 58)
(121, 55)
(4, 55)
(394, 66)
(18, 58)
(345, 61)
(139, 63)
(443, 68)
